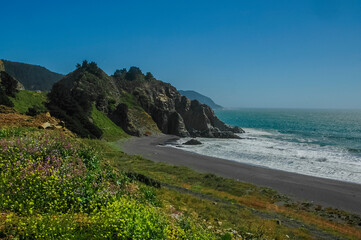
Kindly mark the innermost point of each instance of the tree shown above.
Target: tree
(149, 76)
(85, 64)
(120, 73)
(9, 84)
(134, 74)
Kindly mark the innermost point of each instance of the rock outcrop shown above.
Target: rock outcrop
(174, 113)
(192, 142)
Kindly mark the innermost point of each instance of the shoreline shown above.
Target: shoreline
(323, 191)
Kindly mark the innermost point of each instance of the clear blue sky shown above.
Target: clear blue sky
(303, 54)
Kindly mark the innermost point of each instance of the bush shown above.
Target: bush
(121, 219)
(36, 110)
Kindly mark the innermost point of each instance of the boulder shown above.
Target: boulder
(47, 125)
(192, 142)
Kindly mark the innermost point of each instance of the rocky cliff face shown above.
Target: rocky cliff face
(174, 113)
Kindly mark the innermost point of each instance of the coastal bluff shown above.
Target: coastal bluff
(140, 104)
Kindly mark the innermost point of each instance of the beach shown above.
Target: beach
(326, 192)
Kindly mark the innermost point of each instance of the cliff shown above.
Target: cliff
(174, 113)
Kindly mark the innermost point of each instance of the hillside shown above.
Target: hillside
(193, 95)
(136, 102)
(81, 96)
(33, 77)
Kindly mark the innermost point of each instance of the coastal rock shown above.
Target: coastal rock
(174, 113)
(134, 121)
(192, 142)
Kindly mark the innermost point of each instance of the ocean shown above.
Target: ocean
(322, 143)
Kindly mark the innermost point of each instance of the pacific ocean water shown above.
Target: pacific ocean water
(322, 143)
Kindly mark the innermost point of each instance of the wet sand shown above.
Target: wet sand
(326, 192)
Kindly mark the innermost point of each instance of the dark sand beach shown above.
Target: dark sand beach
(327, 192)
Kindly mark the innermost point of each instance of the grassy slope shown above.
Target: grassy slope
(111, 131)
(61, 190)
(129, 100)
(25, 99)
(223, 206)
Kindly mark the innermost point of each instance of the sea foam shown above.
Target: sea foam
(288, 152)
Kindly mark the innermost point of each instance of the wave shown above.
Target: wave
(354, 150)
(288, 152)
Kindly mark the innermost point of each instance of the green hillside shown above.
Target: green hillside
(25, 99)
(111, 131)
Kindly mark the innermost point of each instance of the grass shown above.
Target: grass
(111, 132)
(129, 100)
(25, 99)
(56, 187)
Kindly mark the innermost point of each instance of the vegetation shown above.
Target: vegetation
(59, 187)
(25, 100)
(55, 187)
(31, 76)
(72, 100)
(74, 111)
(8, 84)
(129, 100)
(133, 74)
(111, 132)
(7, 88)
(4, 99)
(229, 206)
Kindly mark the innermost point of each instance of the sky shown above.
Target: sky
(264, 54)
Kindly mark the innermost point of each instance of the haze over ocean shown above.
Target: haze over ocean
(322, 143)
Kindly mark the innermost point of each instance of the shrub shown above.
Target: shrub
(54, 187)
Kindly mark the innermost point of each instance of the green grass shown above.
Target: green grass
(129, 100)
(25, 99)
(111, 132)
